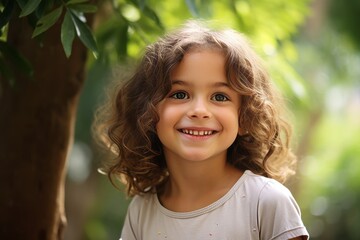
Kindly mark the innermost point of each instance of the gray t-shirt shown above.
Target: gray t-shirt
(254, 208)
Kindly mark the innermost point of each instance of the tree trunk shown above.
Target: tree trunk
(36, 128)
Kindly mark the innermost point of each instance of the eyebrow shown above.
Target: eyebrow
(183, 83)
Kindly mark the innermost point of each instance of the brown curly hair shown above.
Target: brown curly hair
(126, 123)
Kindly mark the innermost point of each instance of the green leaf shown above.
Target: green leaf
(84, 33)
(152, 15)
(47, 21)
(67, 33)
(6, 13)
(43, 7)
(84, 8)
(30, 7)
(21, 3)
(13, 56)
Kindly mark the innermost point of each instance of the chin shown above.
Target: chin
(196, 157)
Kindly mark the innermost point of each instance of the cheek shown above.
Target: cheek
(231, 119)
(167, 116)
(168, 111)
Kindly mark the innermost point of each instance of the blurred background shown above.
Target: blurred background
(312, 50)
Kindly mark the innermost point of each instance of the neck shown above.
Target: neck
(193, 185)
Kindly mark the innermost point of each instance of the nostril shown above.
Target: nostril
(200, 111)
(200, 115)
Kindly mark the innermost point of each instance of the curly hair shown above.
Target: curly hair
(126, 123)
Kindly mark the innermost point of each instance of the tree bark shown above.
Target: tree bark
(36, 129)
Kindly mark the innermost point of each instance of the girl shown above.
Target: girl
(200, 143)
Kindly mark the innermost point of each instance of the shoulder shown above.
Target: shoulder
(269, 197)
(135, 215)
(267, 190)
(278, 214)
(141, 204)
(143, 200)
(139, 199)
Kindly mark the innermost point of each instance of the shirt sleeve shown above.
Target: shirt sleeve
(279, 216)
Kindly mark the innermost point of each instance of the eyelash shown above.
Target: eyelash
(176, 95)
(185, 95)
(223, 96)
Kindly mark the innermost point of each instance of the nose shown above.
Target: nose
(199, 109)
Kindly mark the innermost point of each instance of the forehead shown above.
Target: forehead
(200, 63)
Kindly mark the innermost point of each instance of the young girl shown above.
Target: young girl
(200, 143)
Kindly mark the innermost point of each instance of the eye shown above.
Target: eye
(179, 95)
(219, 97)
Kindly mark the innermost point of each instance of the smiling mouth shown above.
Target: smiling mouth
(197, 132)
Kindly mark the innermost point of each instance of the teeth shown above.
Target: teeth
(196, 132)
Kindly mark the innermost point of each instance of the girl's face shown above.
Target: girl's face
(199, 117)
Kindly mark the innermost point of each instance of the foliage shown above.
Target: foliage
(330, 190)
(124, 27)
(344, 15)
(42, 15)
